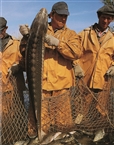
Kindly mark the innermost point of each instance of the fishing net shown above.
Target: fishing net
(13, 115)
(77, 108)
(80, 109)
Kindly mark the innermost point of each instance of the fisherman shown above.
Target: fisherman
(97, 61)
(62, 46)
(10, 48)
(10, 59)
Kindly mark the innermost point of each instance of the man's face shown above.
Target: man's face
(104, 21)
(58, 21)
(2, 33)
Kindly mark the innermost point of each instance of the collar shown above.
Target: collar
(51, 29)
(98, 31)
(95, 27)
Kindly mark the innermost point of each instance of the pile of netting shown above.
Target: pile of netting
(13, 116)
(76, 109)
(80, 109)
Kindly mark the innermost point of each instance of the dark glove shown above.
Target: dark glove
(51, 40)
(14, 69)
(78, 71)
(110, 71)
(23, 45)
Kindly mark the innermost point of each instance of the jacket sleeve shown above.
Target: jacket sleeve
(81, 35)
(19, 59)
(70, 45)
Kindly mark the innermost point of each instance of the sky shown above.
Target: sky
(16, 12)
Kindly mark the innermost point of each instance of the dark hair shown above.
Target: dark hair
(100, 13)
(51, 13)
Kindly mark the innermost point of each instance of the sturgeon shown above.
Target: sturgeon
(34, 62)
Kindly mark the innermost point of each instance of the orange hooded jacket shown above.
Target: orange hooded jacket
(96, 58)
(8, 57)
(58, 71)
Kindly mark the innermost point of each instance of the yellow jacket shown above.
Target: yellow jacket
(58, 72)
(96, 58)
(9, 56)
